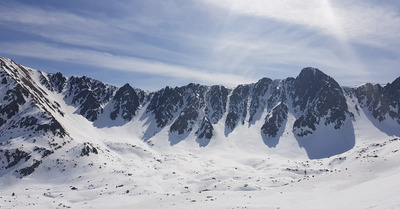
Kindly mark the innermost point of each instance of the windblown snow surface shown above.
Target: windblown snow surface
(238, 171)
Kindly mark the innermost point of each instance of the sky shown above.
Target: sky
(156, 43)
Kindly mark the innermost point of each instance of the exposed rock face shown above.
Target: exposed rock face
(126, 103)
(54, 82)
(189, 106)
(259, 101)
(164, 104)
(206, 129)
(277, 108)
(382, 102)
(237, 110)
(193, 97)
(88, 96)
(216, 101)
(275, 120)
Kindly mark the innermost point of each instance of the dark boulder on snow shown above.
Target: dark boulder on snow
(87, 149)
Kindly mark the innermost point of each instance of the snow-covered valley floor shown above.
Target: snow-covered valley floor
(367, 176)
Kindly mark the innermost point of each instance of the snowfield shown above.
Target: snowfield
(366, 177)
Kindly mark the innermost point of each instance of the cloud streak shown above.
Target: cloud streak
(121, 63)
(359, 21)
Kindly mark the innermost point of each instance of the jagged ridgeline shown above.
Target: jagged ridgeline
(313, 108)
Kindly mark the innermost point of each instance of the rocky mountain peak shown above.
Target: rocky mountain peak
(126, 103)
(317, 98)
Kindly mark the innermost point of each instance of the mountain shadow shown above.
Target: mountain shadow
(326, 141)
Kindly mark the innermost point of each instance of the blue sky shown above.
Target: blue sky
(151, 44)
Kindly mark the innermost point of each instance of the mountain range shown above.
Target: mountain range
(42, 113)
(303, 142)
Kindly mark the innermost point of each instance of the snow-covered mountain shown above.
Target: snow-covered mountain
(53, 125)
(313, 105)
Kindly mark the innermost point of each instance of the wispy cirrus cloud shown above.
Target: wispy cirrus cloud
(358, 21)
(218, 41)
(332, 35)
(121, 63)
